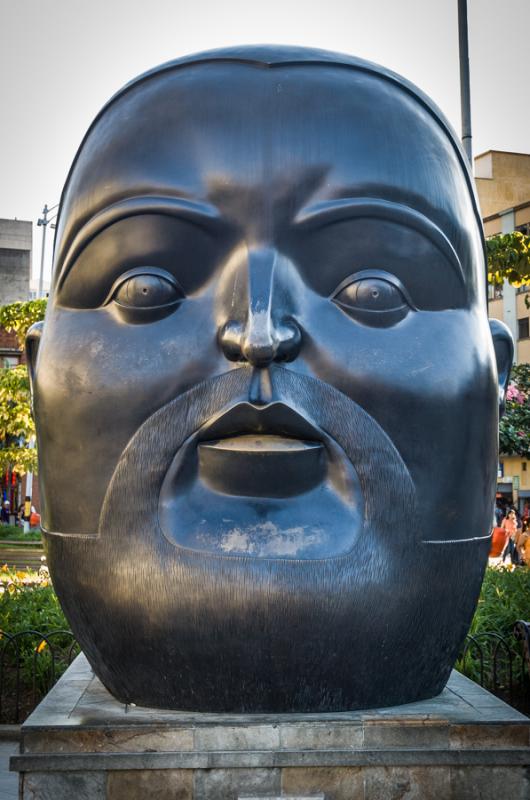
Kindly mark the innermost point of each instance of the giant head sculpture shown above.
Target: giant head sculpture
(266, 389)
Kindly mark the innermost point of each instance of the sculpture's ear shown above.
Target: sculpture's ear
(503, 345)
(33, 337)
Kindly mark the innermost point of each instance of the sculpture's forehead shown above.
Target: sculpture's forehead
(294, 134)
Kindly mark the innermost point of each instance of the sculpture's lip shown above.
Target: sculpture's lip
(262, 465)
(274, 419)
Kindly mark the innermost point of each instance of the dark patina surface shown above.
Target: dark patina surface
(266, 389)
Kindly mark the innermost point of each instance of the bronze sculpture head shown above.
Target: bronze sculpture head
(265, 385)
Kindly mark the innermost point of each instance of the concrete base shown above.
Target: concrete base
(81, 743)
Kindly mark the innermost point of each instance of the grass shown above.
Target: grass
(13, 533)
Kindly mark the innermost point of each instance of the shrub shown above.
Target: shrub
(14, 533)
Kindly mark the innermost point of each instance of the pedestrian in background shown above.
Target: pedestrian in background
(512, 529)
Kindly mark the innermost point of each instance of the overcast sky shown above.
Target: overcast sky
(60, 60)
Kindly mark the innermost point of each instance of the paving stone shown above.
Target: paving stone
(490, 783)
(405, 733)
(500, 735)
(64, 786)
(225, 737)
(408, 783)
(117, 740)
(342, 783)
(8, 780)
(163, 784)
(230, 784)
(314, 736)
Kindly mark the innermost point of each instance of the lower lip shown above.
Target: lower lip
(262, 465)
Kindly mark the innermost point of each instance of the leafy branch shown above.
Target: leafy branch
(17, 429)
(19, 317)
(514, 427)
(509, 259)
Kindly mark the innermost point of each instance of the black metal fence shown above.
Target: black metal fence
(500, 664)
(31, 662)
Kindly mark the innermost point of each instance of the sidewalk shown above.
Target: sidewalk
(8, 780)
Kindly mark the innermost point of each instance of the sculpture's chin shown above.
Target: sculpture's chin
(262, 496)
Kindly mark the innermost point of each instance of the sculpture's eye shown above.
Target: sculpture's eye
(146, 295)
(375, 298)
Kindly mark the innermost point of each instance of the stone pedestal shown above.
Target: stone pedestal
(81, 744)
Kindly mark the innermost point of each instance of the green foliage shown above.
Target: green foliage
(16, 424)
(509, 258)
(504, 599)
(14, 533)
(514, 427)
(18, 317)
(29, 603)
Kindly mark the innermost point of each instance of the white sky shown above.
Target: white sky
(60, 60)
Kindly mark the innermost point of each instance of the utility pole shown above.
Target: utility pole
(43, 221)
(465, 93)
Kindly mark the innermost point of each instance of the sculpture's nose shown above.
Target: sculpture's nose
(263, 331)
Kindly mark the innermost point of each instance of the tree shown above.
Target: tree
(509, 259)
(514, 427)
(17, 429)
(18, 317)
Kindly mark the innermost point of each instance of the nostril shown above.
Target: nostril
(230, 339)
(290, 340)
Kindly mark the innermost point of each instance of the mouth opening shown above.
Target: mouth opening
(254, 465)
(262, 481)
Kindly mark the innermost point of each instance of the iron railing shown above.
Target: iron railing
(30, 663)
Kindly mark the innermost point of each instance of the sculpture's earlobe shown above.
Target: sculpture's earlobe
(503, 345)
(33, 338)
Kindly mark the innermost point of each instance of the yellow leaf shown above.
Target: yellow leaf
(41, 646)
(5, 568)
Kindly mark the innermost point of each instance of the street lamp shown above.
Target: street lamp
(465, 92)
(44, 221)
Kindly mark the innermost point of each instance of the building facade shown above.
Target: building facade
(503, 185)
(15, 274)
(15, 260)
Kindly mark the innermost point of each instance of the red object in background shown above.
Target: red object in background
(498, 537)
(34, 520)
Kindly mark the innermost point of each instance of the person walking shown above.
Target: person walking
(512, 530)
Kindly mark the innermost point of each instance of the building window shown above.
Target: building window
(523, 328)
(523, 466)
(9, 361)
(494, 292)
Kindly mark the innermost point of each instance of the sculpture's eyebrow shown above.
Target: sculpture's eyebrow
(328, 211)
(203, 214)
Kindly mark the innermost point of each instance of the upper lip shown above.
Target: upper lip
(274, 419)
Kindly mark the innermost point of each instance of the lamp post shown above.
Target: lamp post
(465, 94)
(44, 221)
